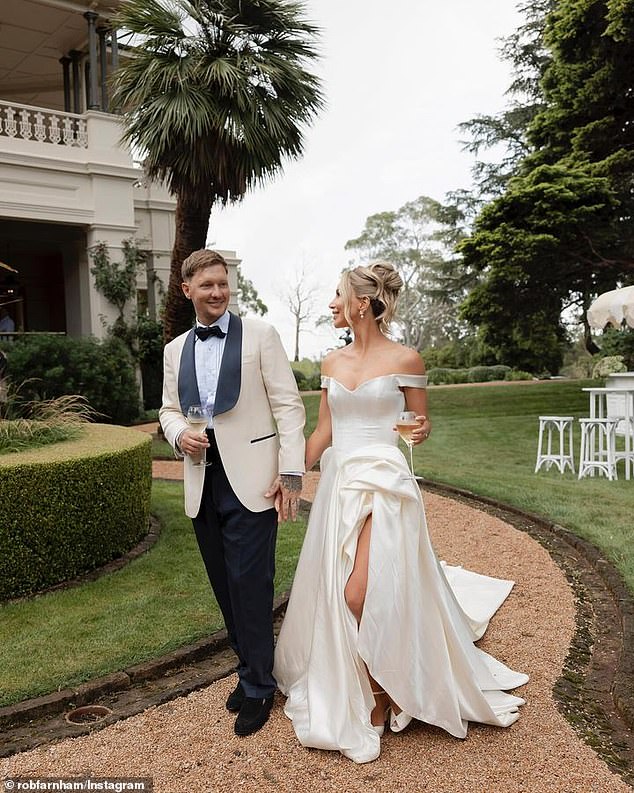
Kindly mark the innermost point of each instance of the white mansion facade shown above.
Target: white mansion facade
(66, 181)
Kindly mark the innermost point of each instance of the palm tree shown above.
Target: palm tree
(215, 94)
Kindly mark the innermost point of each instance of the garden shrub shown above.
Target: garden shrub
(618, 341)
(306, 366)
(307, 375)
(313, 383)
(611, 364)
(437, 375)
(479, 374)
(101, 371)
(150, 343)
(300, 379)
(459, 376)
(476, 374)
(518, 374)
(458, 354)
(499, 371)
(440, 375)
(70, 507)
(487, 374)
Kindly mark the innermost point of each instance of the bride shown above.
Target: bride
(374, 632)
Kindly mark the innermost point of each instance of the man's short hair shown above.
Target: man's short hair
(198, 260)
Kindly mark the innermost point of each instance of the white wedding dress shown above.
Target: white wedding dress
(420, 617)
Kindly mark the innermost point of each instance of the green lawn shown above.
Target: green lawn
(487, 443)
(161, 450)
(157, 603)
(484, 440)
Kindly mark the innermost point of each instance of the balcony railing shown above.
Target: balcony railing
(44, 126)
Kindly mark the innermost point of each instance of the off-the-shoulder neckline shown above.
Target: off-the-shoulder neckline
(371, 379)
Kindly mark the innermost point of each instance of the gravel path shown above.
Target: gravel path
(188, 745)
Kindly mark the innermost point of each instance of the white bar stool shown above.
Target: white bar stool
(598, 442)
(617, 403)
(560, 457)
(625, 426)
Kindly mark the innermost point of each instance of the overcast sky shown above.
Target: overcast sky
(398, 79)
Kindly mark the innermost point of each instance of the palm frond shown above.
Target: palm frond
(217, 92)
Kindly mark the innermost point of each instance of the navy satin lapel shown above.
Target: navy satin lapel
(230, 376)
(187, 384)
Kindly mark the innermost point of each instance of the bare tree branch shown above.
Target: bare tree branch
(300, 299)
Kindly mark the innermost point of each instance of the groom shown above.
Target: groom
(238, 370)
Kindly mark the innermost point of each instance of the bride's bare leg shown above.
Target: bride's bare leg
(357, 584)
(354, 593)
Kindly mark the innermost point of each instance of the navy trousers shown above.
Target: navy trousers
(238, 549)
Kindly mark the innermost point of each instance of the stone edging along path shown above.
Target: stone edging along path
(595, 692)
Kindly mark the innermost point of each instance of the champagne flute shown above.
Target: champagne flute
(197, 418)
(406, 424)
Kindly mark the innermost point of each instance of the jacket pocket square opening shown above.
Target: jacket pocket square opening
(264, 438)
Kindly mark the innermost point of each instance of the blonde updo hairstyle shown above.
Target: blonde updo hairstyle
(378, 281)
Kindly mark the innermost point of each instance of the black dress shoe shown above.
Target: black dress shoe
(235, 699)
(253, 714)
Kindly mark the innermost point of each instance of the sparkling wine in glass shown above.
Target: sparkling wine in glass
(406, 424)
(197, 418)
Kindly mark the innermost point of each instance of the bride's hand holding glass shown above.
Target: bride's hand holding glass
(422, 432)
(413, 430)
(416, 428)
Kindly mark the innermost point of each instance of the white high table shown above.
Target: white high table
(599, 402)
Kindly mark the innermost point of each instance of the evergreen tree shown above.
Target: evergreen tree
(508, 131)
(562, 229)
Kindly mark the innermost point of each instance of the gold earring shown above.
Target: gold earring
(361, 314)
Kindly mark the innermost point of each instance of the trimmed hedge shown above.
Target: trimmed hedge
(476, 374)
(70, 507)
(440, 375)
(488, 374)
(518, 374)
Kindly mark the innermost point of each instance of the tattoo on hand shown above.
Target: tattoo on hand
(291, 483)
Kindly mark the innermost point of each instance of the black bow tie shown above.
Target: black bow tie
(214, 330)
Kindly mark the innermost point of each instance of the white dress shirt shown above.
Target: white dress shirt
(208, 357)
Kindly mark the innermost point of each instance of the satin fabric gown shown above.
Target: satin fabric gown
(420, 617)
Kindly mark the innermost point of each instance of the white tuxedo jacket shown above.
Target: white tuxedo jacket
(258, 413)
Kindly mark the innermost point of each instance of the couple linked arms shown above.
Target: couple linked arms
(288, 411)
